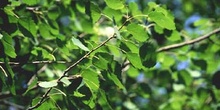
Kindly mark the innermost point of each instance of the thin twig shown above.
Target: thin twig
(174, 46)
(36, 62)
(72, 66)
(12, 104)
(68, 69)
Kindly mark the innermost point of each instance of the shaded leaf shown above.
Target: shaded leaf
(148, 54)
(74, 84)
(200, 63)
(185, 78)
(33, 83)
(103, 100)
(215, 79)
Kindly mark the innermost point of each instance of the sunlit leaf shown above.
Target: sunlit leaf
(108, 12)
(134, 59)
(95, 12)
(65, 81)
(44, 30)
(102, 60)
(47, 84)
(78, 94)
(29, 27)
(163, 21)
(9, 49)
(134, 9)
(90, 78)
(115, 79)
(78, 43)
(31, 2)
(115, 4)
(8, 46)
(138, 32)
(175, 36)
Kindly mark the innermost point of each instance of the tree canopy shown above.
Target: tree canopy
(109, 54)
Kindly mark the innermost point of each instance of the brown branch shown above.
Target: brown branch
(174, 46)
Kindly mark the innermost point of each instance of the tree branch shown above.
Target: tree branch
(69, 68)
(36, 62)
(174, 46)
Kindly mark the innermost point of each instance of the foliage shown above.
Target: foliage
(109, 54)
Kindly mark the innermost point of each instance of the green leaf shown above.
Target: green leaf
(48, 104)
(200, 63)
(75, 83)
(101, 60)
(115, 79)
(9, 49)
(1, 36)
(65, 81)
(163, 21)
(148, 54)
(103, 100)
(175, 36)
(201, 22)
(138, 32)
(133, 72)
(91, 80)
(158, 29)
(165, 59)
(115, 4)
(129, 46)
(42, 53)
(108, 12)
(11, 77)
(185, 78)
(78, 43)
(33, 83)
(31, 2)
(178, 87)
(95, 12)
(8, 46)
(78, 94)
(134, 8)
(48, 84)
(135, 60)
(27, 27)
(44, 30)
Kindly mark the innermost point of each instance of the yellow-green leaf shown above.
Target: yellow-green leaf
(115, 4)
